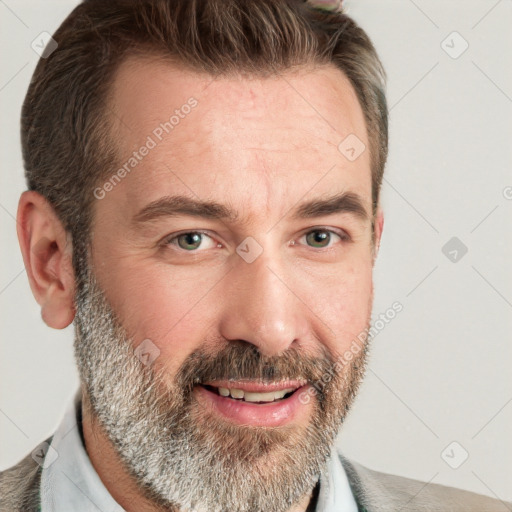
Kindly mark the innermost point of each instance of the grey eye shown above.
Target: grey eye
(190, 241)
(318, 238)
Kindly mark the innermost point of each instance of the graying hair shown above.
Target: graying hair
(66, 143)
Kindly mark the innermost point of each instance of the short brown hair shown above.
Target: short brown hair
(66, 143)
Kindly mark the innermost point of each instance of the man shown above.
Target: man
(203, 204)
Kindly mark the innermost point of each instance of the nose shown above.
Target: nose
(263, 306)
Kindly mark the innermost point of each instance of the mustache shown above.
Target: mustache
(241, 360)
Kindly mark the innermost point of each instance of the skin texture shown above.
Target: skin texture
(260, 146)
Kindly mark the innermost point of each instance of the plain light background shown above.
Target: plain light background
(439, 373)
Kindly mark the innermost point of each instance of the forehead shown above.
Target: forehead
(235, 137)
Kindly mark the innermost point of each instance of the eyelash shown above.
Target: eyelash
(344, 237)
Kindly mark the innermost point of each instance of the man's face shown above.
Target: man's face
(271, 295)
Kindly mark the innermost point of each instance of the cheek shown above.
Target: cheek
(151, 305)
(345, 307)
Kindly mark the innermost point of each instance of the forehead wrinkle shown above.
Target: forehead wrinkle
(262, 191)
(266, 176)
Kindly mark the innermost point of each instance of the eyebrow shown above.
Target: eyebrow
(172, 206)
(346, 202)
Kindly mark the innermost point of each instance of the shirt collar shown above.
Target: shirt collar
(70, 482)
(335, 492)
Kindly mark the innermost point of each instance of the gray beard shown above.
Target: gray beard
(184, 458)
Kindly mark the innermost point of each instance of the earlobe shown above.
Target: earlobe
(47, 254)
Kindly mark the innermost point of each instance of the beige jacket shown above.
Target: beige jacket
(374, 492)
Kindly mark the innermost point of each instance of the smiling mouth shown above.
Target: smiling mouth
(242, 395)
(255, 402)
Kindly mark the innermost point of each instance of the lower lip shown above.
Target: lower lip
(272, 414)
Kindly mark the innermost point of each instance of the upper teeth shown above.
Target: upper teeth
(255, 397)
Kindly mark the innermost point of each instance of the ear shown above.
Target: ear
(379, 227)
(47, 254)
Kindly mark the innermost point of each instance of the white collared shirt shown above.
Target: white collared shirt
(70, 482)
